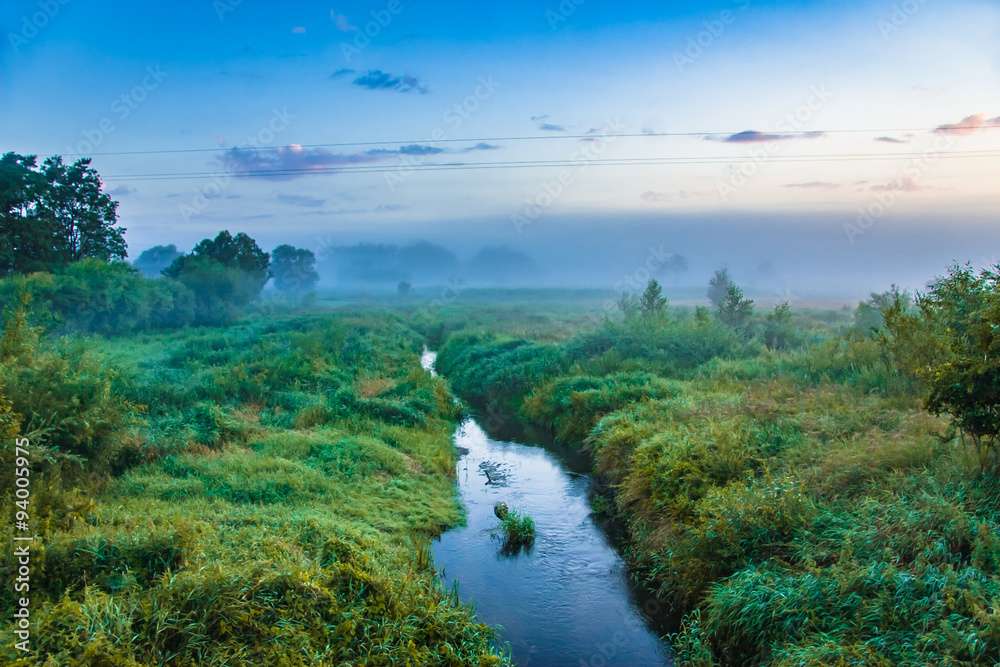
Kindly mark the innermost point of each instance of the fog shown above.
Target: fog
(794, 257)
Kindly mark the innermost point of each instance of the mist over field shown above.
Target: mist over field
(542, 333)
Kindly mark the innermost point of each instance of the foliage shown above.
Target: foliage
(718, 287)
(294, 269)
(195, 513)
(54, 214)
(153, 261)
(952, 344)
(735, 310)
(518, 530)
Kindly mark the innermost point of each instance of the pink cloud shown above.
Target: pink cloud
(969, 125)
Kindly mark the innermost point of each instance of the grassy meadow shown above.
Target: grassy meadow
(783, 491)
(262, 493)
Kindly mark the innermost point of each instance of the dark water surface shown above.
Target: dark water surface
(566, 601)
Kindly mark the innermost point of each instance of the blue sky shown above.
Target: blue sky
(98, 77)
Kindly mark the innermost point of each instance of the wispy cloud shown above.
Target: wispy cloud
(905, 184)
(891, 140)
(969, 125)
(756, 137)
(296, 160)
(342, 72)
(551, 127)
(301, 200)
(814, 185)
(377, 79)
(121, 191)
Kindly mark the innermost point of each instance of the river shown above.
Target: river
(566, 601)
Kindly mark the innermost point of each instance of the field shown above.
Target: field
(262, 493)
(789, 486)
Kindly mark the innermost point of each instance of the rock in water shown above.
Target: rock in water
(501, 510)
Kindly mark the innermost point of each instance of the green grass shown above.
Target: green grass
(518, 531)
(792, 507)
(283, 481)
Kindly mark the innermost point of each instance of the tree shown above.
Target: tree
(225, 273)
(153, 261)
(675, 264)
(735, 310)
(951, 343)
(718, 287)
(652, 303)
(404, 288)
(868, 316)
(294, 269)
(55, 214)
(779, 333)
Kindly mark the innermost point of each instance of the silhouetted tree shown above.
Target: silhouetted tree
(294, 269)
(718, 287)
(652, 303)
(154, 260)
(55, 214)
(735, 310)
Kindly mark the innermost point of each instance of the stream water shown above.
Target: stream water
(565, 601)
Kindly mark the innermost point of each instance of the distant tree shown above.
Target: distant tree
(675, 264)
(225, 274)
(868, 316)
(154, 260)
(718, 287)
(735, 310)
(294, 269)
(404, 288)
(779, 332)
(54, 214)
(950, 342)
(652, 303)
(238, 252)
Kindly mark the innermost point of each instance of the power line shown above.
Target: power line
(537, 137)
(524, 164)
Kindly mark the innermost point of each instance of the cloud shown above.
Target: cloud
(892, 140)
(412, 149)
(968, 125)
(481, 146)
(341, 22)
(376, 79)
(755, 137)
(295, 160)
(301, 200)
(121, 191)
(551, 127)
(813, 185)
(288, 158)
(905, 184)
(342, 72)
(539, 118)
(299, 30)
